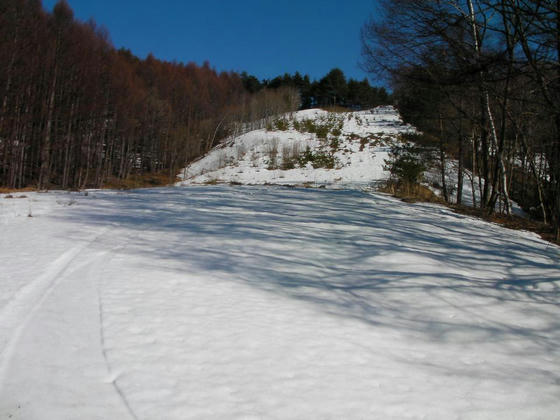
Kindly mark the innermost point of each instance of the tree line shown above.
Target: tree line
(333, 90)
(481, 80)
(75, 112)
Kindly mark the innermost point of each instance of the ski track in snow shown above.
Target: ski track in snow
(26, 343)
(27, 302)
(110, 370)
(273, 303)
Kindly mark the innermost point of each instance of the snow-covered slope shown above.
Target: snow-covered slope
(271, 303)
(357, 142)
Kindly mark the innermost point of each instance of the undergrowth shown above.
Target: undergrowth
(134, 181)
(331, 124)
(16, 190)
(410, 192)
(318, 159)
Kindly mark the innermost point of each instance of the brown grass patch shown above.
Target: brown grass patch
(150, 180)
(212, 181)
(411, 193)
(15, 191)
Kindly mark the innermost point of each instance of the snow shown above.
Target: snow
(364, 145)
(432, 178)
(213, 302)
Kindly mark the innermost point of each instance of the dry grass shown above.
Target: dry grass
(411, 193)
(419, 193)
(135, 181)
(212, 181)
(16, 191)
(511, 222)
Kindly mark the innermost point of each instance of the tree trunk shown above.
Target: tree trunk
(474, 169)
(44, 174)
(442, 161)
(460, 172)
(485, 99)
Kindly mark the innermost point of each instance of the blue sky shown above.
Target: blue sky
(263, 37)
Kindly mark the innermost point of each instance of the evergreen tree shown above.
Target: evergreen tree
(251, 83)
(332, 89)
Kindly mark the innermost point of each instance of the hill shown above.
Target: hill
(311, 147)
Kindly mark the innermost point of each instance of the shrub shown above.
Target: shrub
(323, 160)
(282, 124)
(307, 126)
(363, 142)
(420, 139)
(290, 155)
(272, 151)
(318, 159)
(405, 164)
(288, 163)
(305, 157)
(335, 144)
(322, 131)
(323, 126)
(410, 192)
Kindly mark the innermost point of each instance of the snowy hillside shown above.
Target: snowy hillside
(345, 149)
(220, 302)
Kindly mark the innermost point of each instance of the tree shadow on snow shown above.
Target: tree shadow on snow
(420, 268)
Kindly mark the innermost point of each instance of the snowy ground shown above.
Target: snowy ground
(271, 303)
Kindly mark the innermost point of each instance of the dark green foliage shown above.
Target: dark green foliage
(282, 124)
(406, 164)
(335, 143)
(319, 159)
(419, 139)
(332, 90)
(322, 131)
(251, 83)
(315, 127)
(362, 96)
(305, 157)
(332, 125)
(308, 126)
(323, 160)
